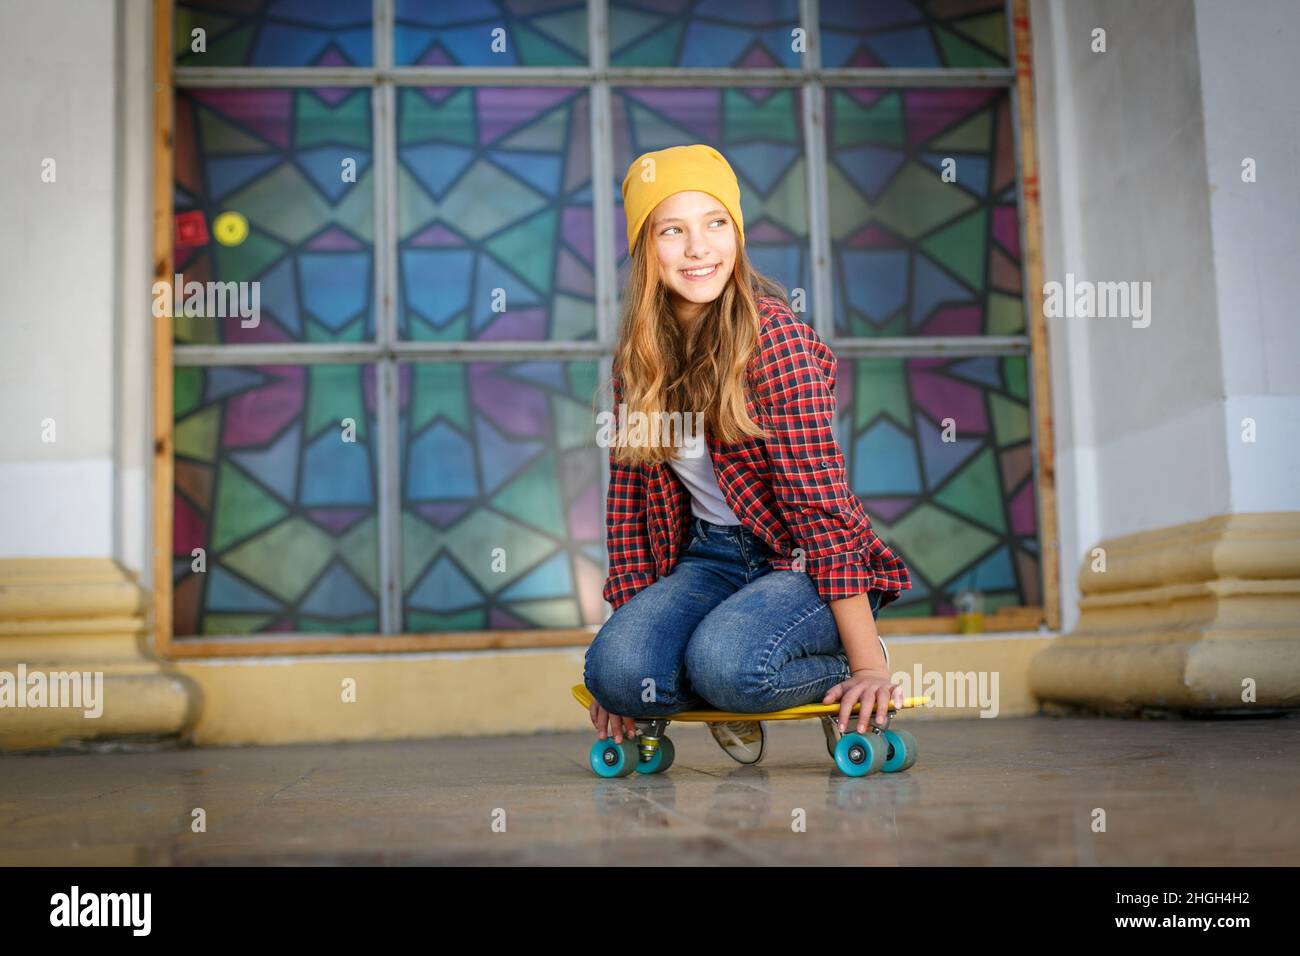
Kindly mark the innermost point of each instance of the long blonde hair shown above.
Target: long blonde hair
(663, 368)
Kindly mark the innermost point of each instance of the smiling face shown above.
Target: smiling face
(696, 244)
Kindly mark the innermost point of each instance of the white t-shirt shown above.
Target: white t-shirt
(697, 474)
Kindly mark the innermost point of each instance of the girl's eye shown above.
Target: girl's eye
(670, 229)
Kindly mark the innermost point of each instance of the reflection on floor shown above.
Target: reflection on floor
(1001, 791)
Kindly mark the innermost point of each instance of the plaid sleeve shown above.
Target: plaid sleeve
(627, 541)
(808, 474)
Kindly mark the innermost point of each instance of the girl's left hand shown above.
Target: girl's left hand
(873, 690)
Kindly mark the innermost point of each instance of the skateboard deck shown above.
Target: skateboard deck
(856, 754)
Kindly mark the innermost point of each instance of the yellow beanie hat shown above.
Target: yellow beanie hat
(674, 170)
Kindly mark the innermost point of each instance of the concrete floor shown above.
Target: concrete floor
(1000, 791)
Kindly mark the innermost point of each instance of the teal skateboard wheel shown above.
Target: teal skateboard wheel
(609, 759)
(902, 751)
(661, 761)
(860, 754)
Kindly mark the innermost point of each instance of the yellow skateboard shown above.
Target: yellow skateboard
(856, 755)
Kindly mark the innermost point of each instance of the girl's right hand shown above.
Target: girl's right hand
(607, 723)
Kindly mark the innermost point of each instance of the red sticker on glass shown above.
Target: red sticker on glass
(191, 228)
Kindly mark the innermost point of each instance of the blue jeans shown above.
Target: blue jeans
(723, 630)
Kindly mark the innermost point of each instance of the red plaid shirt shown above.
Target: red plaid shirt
(789, 490)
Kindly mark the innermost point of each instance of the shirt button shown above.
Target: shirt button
(826, 464)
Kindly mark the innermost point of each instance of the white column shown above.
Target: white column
(1248, 86)
(57, 273)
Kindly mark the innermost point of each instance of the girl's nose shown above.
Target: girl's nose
(696, 247)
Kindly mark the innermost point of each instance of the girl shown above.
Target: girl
(743, 572)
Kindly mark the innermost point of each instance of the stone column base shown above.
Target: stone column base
(1197, 618)
(74, 626)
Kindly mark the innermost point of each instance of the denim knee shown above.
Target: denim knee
(599, 674)
(727, 680)
(621, 675)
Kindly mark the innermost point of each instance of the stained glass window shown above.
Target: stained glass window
(276, 482)
(747, 34)
(494, 214)
(413, 202)
(918, 252)
(502, 504)
(939, 451)
(914, 33)
(490, 33)
(273, 33)
(282, 178)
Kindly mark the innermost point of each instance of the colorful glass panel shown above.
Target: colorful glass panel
(502, 500)
(490, 33)
(930, 34)
(281, 178)
(494, 214)
(939, 451)
(747, 34)
(914, 254)
(275, 479)
(273, 32)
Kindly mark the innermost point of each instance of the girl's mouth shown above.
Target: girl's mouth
(701, 274)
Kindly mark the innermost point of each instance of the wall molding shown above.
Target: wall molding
(1182, 618)
(87, 615)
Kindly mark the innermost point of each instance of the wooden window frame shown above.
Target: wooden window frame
(598, 80)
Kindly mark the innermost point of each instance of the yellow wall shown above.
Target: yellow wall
(467, 694)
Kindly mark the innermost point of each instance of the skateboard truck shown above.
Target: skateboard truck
(871, 725)
(649, 735)
(871, 721)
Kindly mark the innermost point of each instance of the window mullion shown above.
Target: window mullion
(819, 263)
(602, 198)
(387, 377)
(602, 175)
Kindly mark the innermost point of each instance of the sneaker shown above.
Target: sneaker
(745, 741)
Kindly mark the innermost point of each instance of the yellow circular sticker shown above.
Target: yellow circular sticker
(230, 228)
